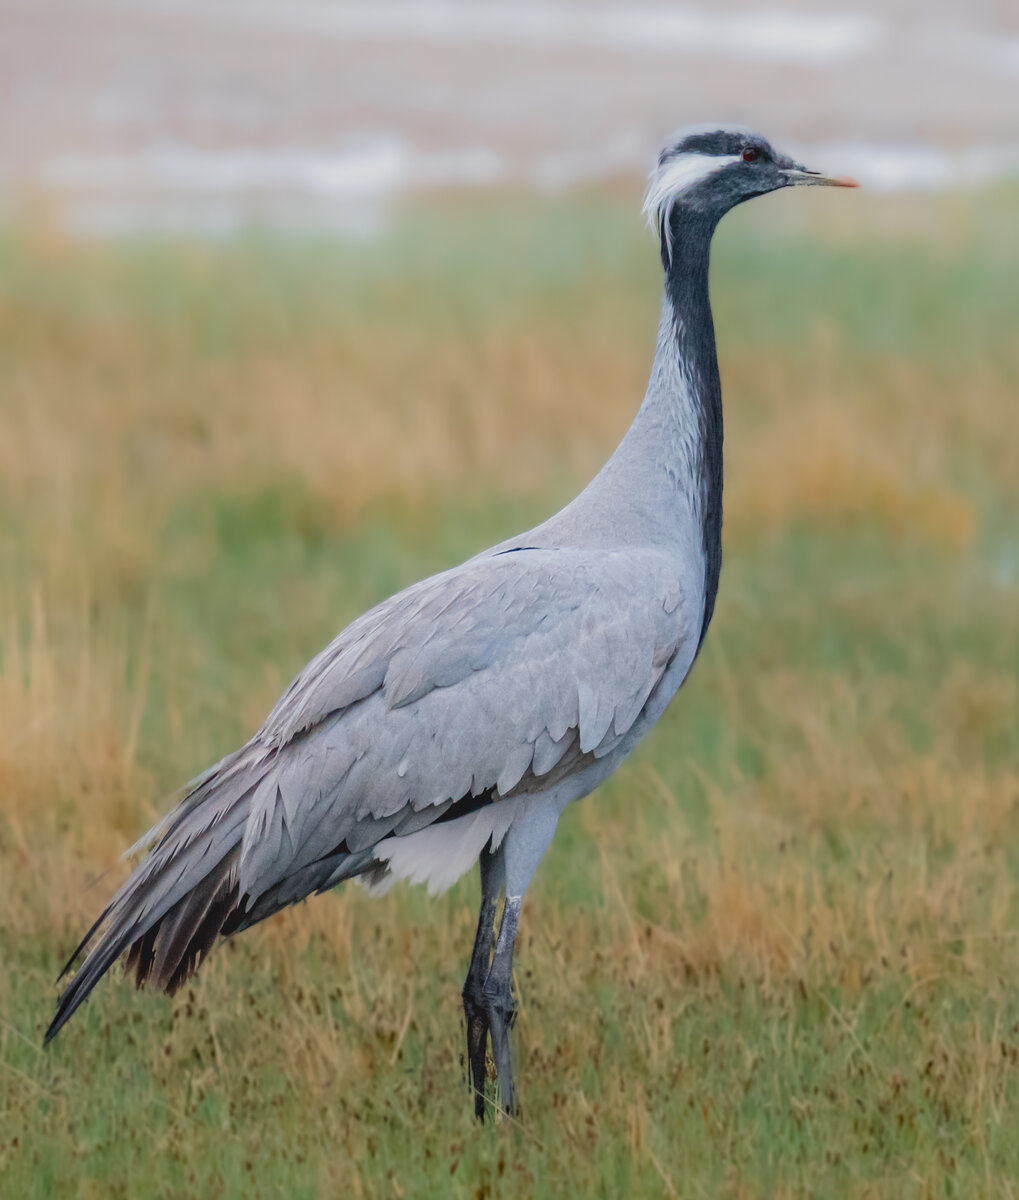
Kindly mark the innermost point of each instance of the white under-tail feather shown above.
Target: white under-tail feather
(439, 854)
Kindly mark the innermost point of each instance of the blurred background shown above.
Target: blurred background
(302, 301)
(164, 114)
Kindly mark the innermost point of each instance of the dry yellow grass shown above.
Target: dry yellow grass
(776, 957)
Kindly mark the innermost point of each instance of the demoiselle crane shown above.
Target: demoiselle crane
(455, 721)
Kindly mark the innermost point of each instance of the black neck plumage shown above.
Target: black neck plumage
(686, 281)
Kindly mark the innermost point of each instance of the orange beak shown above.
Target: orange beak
(801, 177)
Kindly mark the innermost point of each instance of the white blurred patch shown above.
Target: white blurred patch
(168, 188)
(918, 167)
(370, 166)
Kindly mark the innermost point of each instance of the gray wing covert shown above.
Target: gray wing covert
(497, 677)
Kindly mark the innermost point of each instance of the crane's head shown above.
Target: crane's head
(709, 169)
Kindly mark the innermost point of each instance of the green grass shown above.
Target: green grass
(776, 955)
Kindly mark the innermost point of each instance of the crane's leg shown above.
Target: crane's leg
(475, 1012)
(522, 850)
(498, 996)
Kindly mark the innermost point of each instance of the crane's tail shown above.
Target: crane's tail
(167, 915)
(164, 953)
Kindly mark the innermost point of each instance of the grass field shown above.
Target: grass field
(776, 955)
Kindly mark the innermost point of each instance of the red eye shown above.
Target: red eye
(750, 154)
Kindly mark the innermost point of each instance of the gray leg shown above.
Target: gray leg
(475, 1010)
(522, 849)
(498, 993)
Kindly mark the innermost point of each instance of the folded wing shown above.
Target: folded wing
(496, 678)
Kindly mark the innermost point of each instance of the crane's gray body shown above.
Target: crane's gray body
(510, 685)
(456, 720)
(462, 714)
(525, 675)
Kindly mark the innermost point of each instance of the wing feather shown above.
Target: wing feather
(502, 675)
(500, 678)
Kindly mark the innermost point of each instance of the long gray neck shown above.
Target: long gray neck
(672, 453)
(663, 484)
(696, 404)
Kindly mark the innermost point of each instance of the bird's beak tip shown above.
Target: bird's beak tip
(807, 178)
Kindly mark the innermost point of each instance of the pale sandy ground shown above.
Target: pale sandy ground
(233, 107)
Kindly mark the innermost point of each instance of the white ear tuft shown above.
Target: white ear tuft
(670, 179)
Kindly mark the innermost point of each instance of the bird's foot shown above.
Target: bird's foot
(490, 1012)
(501, 1014)
(476, 1014)
(488, 1001)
